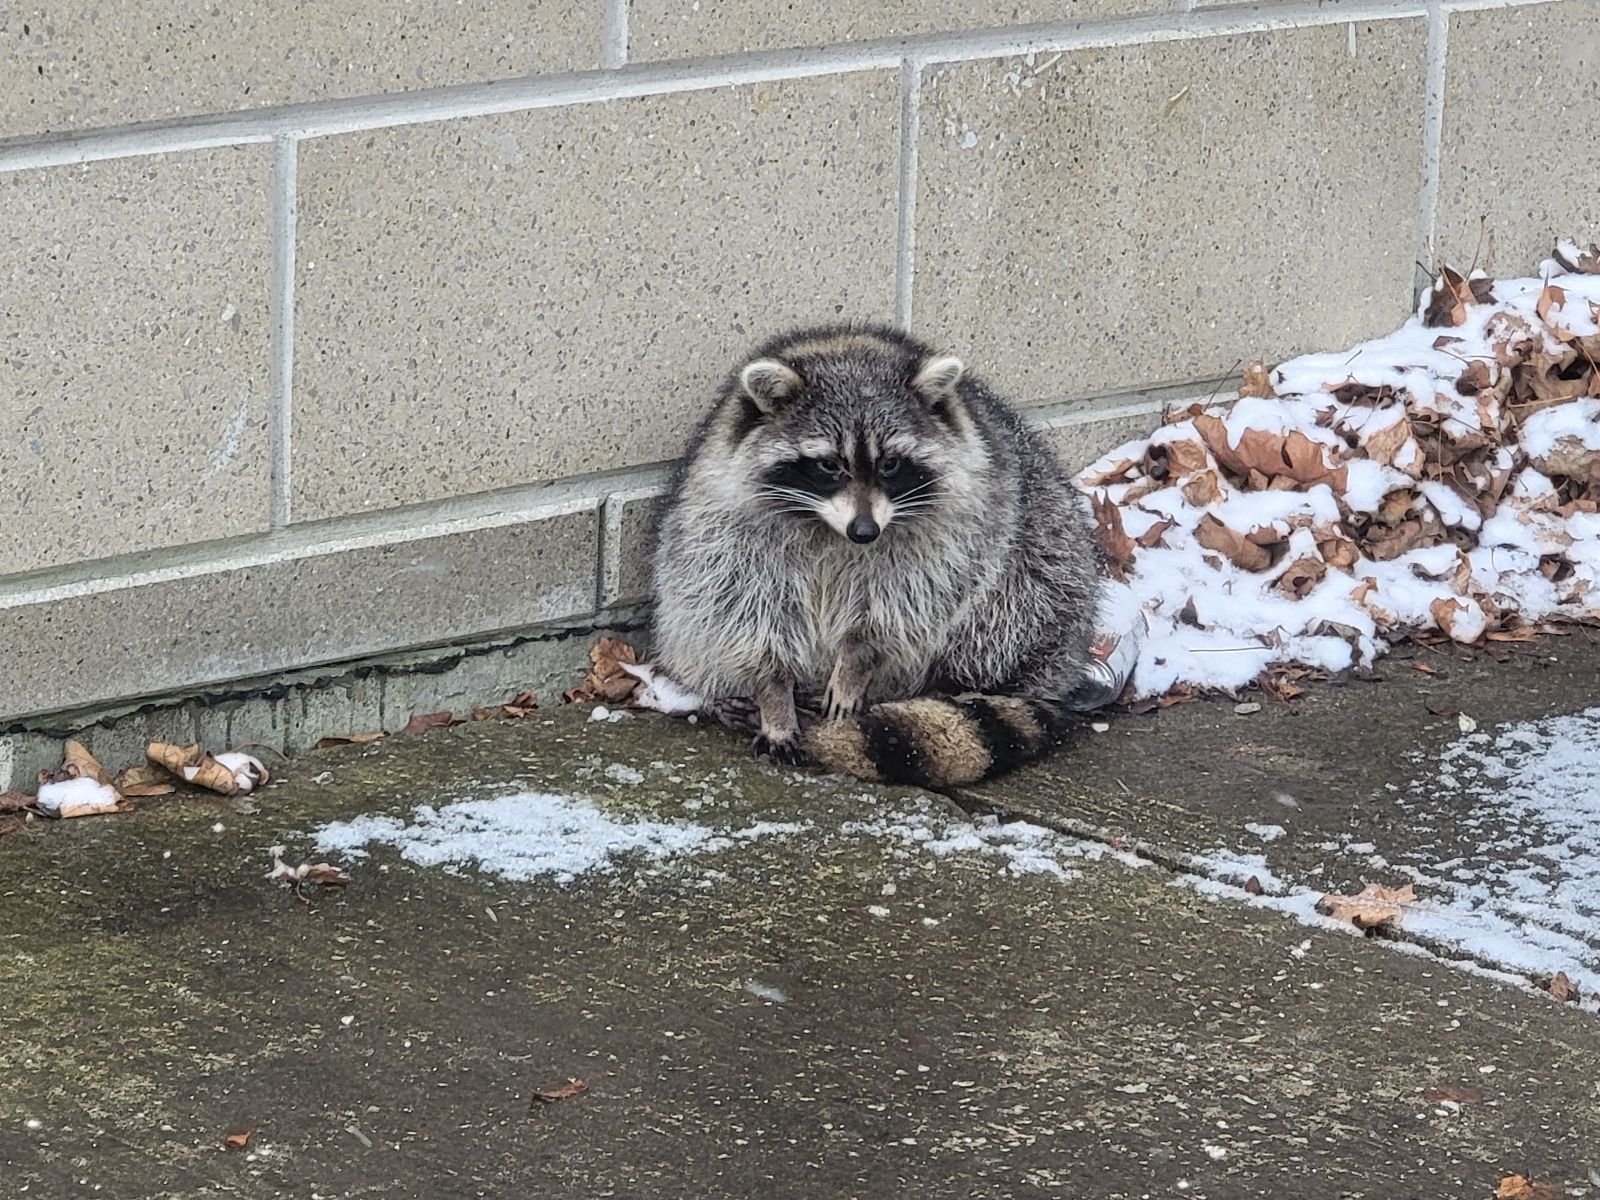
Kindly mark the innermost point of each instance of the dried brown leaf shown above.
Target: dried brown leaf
(1581, 262)
(1447, 300)
(1445, 610)
(15, 801)
(1116, 472)
(1232, 545)
(1551, 298)
(1279, 686)
(1456, 1093)
(84, 765)
(1371, 907)
(1563, 988)
(1518, 1187)
(192, 765)
(1115, 544)
(566, 1091)
(1336, 549)
(307, 874)
(1202, 489)
(1301, 577)
(422, 722)
(1394, 444)
(144, 780)
(1257, 381)
(1270, 455)
(607, 682)
(1475, 378)
(349, 739)
(1155, 535)
(237, 1139)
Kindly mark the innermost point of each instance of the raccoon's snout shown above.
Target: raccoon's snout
(862, 530)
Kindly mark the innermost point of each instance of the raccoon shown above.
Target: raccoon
(860, 524)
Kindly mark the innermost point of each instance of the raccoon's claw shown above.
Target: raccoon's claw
(783, 753)
(840, 710)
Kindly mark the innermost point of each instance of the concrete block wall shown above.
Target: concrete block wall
(335, 330)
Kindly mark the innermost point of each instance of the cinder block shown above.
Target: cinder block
(625, 553)
(677, 28)
(133, 355)
(1153, 214)
(161, 631)
(77, 66)
(527, 296)
(1521, 107)
(1080, 434)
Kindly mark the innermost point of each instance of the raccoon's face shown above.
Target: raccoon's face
(860, 442)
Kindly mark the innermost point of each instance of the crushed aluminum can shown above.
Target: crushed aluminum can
(1115, 650)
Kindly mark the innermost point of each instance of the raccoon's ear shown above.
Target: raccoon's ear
(769, 383)
(937, 378)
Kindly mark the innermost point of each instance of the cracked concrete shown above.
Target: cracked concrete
(833, 1010)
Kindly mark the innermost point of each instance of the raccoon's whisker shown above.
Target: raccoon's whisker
(920, 491)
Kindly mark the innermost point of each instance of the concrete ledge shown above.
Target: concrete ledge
(153, 632)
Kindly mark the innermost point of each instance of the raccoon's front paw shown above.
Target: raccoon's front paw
(782, 751)
(836, 706)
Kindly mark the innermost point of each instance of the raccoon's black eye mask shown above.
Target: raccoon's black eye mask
(814, 476)
(823, 477)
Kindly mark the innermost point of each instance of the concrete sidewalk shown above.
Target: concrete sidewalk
(815, 988)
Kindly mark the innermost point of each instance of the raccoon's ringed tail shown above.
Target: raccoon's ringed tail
(937, 742)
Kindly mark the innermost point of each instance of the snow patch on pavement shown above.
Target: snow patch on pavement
(530, 835)
(1527, 894)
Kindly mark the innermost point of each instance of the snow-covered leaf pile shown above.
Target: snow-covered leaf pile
(1443, 481)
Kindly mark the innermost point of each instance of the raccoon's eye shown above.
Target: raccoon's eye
(830, 467)
(890, 465)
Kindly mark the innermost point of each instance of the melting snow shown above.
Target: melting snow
(1423, 490)
(1527, 895)
(526, 836)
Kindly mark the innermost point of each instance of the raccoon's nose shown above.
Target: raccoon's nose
(862, 530)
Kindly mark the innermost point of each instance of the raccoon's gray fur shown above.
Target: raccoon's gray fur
(861, 519)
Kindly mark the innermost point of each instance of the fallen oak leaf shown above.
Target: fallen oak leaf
(1577, 261)
(193, 765)
(1301, 577)
(65, 796)
(248, 771)
(1257, 381)
(1155, 535)
(1453, 1092)
(1475, 378)
(15, 801)
(1447, 300)
(606, 681)
(1562, 988)
(76, 756)
(1115, 544)
(566, 1091)
(349, 739)
(1518, 1187)
(1270, 455)
(1202, 489)
(1238, 549)
(1551, 298)
(422, 722)
(1370, 908)
(307, 874)
(144, 780)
